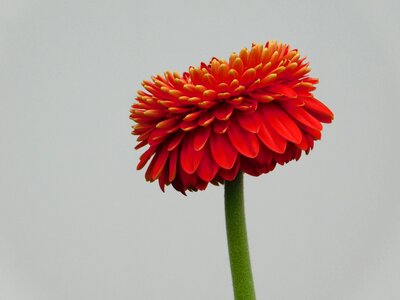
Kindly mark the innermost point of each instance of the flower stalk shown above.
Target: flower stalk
(239, 257)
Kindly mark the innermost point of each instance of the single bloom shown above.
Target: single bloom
(245, 114)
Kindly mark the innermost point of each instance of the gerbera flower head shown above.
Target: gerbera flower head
(245, 114)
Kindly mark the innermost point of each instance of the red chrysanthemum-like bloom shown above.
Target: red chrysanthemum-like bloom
(246, 114)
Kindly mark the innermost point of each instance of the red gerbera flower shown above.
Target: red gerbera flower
(246, 114)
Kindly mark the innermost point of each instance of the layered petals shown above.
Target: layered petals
(248, 113)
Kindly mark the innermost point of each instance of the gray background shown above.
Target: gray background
(78, 222)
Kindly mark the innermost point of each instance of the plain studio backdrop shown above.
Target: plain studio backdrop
(78, 222)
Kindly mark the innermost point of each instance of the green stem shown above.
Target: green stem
(242, 277)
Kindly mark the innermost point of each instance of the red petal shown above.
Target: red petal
(175, 141)
(238, 65)
(206, 119)
(144, 158)
(201, 136)
(223, 112)
(178, 185)
(310, 143)
(201, 184)
(187, 126)
(167, 123)
(173, 158)
(220, 126)
(144, 136)
(245, 142)
(231, 173)
(157, 136)
(192, 116)
(154, 113)
(271, 139)
(206, 104)
(184, 178)
(321, 118)
(303, 145)
(265, 157)
(162, 180)
(159, 164)
(141, 144)
(304, 117)
(290, 153)
(248, 166)
(178, 110)
(222, 150)
(291, 101)
(283, 90)
(316, 134)
(190, 158)
(250, 122)
(248, 76)
(208, 167)
(282, 123)
(149, 171)
(317, 106)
